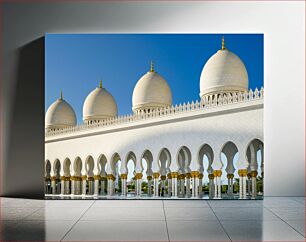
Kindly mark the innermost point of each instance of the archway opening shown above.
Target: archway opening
(146, 162)
(48, 177)
(229, 179)
(206, 156)
(254, 155)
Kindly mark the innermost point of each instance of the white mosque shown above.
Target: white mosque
(167, 143)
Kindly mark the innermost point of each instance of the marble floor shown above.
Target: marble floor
(271, 219)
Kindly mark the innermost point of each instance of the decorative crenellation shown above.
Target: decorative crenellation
(208, 102)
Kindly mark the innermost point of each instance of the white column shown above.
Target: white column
(103, 181)
(149, 185)
(53, 184)
(174, 184)
(200, 185)
(196, 188)
(254, 187)
(163, 185)
(123, 184)
(96, 185)
(169, 185)
(244, 187)
(84, 183)
(62, 185)
(216, 187)
(138, 187)
(90, 183)
(230, 184)
(172, 187)
(249, 184)
(156, 176)
(219, 186)
(211, 185)
(188, 185)
(155, 185)
(72, 187)
(240, 187)
(182, 186)
(110, 190)
(242, 183)
(67, 185)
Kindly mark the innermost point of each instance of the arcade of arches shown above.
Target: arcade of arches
(115, 177)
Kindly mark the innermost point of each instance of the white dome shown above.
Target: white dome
(60, 115)
(151, 91)
(99, 105)
(223, 72)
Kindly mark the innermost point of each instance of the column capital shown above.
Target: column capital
(169, 175)
(230, 176)
(76, 178)
(97, 177)
(111, 177)
(138, 176)
(211, 176)
(149, 178)
(254, 173)
(65, 178)
(242, 172)
(188, 175)
(155, 175)
(201, 176)
(217, 173)
(124, 176)
(181, 176)
(84, 177)
(53, 178)
(174, 174)
(163, 177)
(195, 173)
(90, 178)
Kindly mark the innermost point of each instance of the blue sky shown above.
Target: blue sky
(76, 62)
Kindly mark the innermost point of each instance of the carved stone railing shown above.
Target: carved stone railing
(211, 101)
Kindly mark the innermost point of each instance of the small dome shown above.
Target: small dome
(99, 105)
(151, 92)
(60, 115)
(223, 72)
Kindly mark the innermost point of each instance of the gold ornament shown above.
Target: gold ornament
(211, 176)
(230, 176)
(254, 173)
(217, 173)
(155, 175)
(242, 172)
(123, 176)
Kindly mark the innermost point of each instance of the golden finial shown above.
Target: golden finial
(223, 43)
(100, 84)
(61, 95)
(152, 67)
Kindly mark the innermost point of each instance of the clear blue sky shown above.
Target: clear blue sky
(76, 62)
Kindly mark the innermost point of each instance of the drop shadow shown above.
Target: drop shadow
(24, 167)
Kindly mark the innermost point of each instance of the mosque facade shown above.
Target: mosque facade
(167, 143)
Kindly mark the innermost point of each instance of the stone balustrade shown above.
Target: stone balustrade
(209, 101)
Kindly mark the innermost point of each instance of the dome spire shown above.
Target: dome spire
(100, 84)
(152, 66)
(223, 44)
(61, 95)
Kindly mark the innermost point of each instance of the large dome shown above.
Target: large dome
(60, 115)
(151, 92)
(99, 105)
(223, 72)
